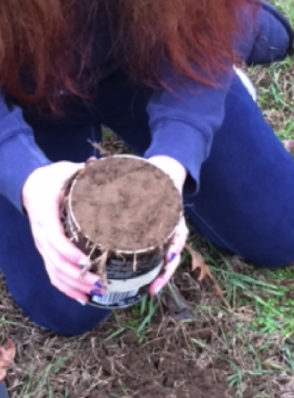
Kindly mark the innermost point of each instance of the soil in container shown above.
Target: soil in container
(122, 210)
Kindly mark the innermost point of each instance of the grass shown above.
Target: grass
(252, 344)
(142, 314)
(263, 322)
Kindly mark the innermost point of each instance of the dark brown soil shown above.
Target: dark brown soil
(125, 204)
(162, 368)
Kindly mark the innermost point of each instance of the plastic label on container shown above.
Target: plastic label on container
(115, 297)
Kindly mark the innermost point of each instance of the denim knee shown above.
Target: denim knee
(273, 250)
(263, 242)
(67, 318)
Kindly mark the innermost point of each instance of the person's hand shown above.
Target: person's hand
(178, 174)
(42, 194)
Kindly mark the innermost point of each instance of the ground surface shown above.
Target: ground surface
(186, 345)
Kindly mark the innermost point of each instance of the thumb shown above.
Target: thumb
(173, 258)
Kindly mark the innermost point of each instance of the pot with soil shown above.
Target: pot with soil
(122, 212)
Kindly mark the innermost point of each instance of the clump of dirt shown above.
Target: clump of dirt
(125, 204)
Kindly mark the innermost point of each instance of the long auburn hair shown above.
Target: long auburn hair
(41, 41)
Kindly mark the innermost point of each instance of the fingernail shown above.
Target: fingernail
(83, 263)
(171, 257)
(81, 302)
(96, 293)
(158, 289)
(100, 285)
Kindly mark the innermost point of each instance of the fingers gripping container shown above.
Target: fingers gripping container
(129, 273)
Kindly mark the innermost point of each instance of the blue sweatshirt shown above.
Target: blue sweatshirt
(182, 123)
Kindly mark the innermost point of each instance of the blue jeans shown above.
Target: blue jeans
(245, 203)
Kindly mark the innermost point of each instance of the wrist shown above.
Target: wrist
(28, 187)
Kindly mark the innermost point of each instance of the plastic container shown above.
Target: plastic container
(129, 273)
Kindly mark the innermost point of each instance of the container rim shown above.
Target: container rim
(122, 252)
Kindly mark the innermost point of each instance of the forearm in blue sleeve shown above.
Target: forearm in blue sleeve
(19, 154)
(183, 122)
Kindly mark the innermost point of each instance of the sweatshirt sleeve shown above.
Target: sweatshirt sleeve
(19, 154)
(183, 122)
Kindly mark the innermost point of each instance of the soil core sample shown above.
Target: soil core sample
(122, 211)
